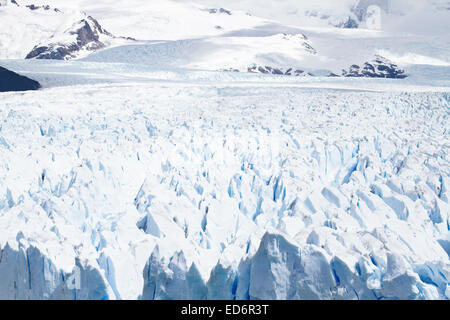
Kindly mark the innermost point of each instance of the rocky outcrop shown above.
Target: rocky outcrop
(11, 81)
(84, 35)
(380, 67)
(298, 41)
(350, 23)
(278, 71)
(44, 7)
(220, 10)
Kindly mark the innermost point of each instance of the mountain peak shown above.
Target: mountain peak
(83, 35)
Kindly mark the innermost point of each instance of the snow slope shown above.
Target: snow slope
(157, 19)
(410, 38)
(23, 28)
(218, 53)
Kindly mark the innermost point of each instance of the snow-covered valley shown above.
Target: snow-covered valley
(144, 170)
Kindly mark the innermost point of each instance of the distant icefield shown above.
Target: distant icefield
(154, 164)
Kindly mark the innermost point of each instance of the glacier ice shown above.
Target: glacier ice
(169, 190)
(28, 274)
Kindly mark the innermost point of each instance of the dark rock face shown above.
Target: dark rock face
(87, 37)
(278, 71)
(230, 70)
(308, 48)
(378, 68)
(45, 7)
(220, 10)
(303, 39)
(360, 9)
(349, 24)
(31, 6)
(11, 81)
(6, 2)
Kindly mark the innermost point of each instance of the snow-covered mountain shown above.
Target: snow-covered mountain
(82, 37)
(45, 32)
(225, 150)
(342, 14)
(211, 37)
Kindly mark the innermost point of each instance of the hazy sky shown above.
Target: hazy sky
(424, 16)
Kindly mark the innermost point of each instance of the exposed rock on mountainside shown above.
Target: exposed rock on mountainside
(350, 23)
(30, 6)
(84, 35)
(11, 81)
(44, 7)
(378, 68)
(220, 10)
(7, 2)
(300, 37)
(279, 71)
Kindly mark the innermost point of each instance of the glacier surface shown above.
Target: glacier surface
(229, 189)
(148, 170)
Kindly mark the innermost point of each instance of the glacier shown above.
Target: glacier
(207, 189)
(143, 168)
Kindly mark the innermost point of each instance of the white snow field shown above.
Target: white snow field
(142, 171)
